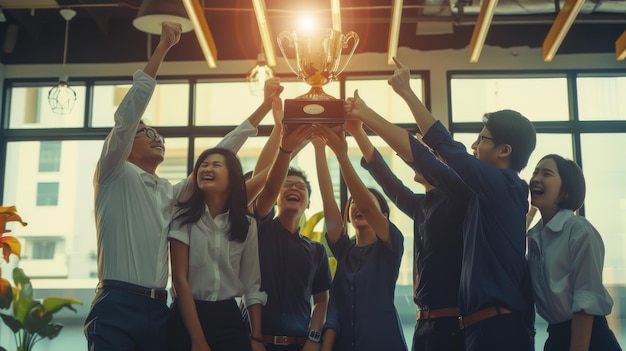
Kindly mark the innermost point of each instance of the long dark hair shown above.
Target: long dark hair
(191, 210)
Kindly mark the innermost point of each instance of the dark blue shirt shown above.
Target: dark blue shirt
(362, 309)
(438, 225)
(494, 269)
(293, 268)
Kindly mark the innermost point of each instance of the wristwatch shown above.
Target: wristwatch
(315, 335)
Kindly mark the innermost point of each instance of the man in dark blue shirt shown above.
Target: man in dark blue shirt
(495, 299)
(293, 267)
(438, 225)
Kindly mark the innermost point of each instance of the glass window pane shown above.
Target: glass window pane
(49, 156)
(601, 98)
(539, 99)
(379, 95)
(605, 203)
(43, 249)
(169, 105)
(70, 224)
(47, 194)
(29, 108)
(214, 107)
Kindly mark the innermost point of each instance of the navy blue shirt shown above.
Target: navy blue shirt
(438, 225)
(362, 309)
(494, 269)
(293, 268)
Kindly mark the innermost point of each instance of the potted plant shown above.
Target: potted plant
(30, 320)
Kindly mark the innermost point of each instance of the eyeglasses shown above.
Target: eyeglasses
(299, 185)
(482, 137)
(151, 133)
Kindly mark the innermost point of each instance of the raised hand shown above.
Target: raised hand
(295, 139)
(170, 34)
(399, 81)
(354, 126)
(355, 107)
(272, 89)
(337, 142)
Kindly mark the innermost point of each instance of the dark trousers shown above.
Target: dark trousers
(270, 347)
(504, 332)
(123, 321)
(602, 338)
(221, 323)
(438, 334)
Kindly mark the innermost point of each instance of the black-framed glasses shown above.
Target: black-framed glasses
(482, 137)
(151, 133)
(299, 185)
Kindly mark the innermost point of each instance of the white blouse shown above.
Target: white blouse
(566, 258)
(220, 269)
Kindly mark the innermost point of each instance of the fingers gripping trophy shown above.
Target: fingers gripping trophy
(318, 55)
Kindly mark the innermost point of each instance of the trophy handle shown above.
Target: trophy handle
(355, 38)
(285, 34)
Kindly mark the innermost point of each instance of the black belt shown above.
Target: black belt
(159, 294)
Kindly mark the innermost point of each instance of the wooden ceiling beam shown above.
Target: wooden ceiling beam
(560, 27)
(487, 9)
(620, 47)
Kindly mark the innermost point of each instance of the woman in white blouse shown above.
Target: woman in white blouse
(214, 254)
(566, 256)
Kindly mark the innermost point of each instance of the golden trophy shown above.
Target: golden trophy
(318, 56)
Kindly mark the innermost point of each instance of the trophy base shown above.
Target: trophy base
(313, 111)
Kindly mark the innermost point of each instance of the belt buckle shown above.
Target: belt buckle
(461, 326)
(280, 340)
(153, 293)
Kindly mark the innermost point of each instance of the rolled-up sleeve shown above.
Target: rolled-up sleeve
(250, 272)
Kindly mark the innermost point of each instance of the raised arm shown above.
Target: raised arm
(360, 194)
(400, 84)
(332, 215)
(170, 36)
(278, 171)
(406, 200)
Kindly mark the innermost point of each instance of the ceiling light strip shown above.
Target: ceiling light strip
(620, 47)
(560, 27)
(487, 9)
(202, 31)
(335, 11)
(394, 30)
(260, 10)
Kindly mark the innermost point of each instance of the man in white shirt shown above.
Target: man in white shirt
(133, 210)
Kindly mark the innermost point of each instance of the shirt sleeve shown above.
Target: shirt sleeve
(179, 233)
(340, 247)
(395, 243)
(119, 142)
(402, 196)
(322, 279)
(250, 273)
(482, 178)
(332, 316)
(587, 252)
(238, 136)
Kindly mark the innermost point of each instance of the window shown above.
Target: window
(47, 194)
(49, 156)
(43, 249)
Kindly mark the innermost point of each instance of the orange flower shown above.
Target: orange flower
(9, 244)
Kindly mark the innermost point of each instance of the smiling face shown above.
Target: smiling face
(212, 174)
(293, 196)
(545, 188)
(356, 217)
(485, 147)
(147, 153)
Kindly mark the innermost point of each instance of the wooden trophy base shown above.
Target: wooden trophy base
(313, 111)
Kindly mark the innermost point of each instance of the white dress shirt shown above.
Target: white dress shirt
(132, 207)
(566, 257)
(220, 269)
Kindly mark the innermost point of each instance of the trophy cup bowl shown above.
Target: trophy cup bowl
(318, 58)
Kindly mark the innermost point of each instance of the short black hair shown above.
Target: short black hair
(511, 127)
(300, 173)
(573, 186)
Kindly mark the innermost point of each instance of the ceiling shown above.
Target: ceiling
(33, 31)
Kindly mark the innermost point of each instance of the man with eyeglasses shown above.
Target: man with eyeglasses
(293, 267)
(133, 209)
(495, 298)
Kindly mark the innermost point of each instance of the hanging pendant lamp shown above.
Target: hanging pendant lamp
(61, 97)
(152, 13)
(258, 74)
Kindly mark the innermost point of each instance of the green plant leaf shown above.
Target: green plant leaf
(2, 349)
(311, 223)
(11, 322)
(54, 304)
(36, 318)
(23, 298)
(6, 294)
(50, 331)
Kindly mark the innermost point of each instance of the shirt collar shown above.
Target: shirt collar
(557, 222)
(144, 174)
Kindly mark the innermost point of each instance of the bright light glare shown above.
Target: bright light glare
(307, 24)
